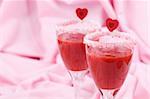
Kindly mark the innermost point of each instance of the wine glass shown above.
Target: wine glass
(70, 36)
(109, 56)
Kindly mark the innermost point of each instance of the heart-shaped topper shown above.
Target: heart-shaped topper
(81, 13)
(112, 24)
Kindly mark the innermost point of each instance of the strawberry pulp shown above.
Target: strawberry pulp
(72, 51)
(108, 68)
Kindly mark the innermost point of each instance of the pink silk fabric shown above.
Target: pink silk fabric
(31, 66)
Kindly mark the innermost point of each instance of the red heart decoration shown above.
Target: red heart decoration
(81, 13)
(112, 24)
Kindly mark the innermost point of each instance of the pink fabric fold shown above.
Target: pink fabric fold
(31, 66)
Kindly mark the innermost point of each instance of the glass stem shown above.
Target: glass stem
(76, 85)
(77, 79)
(107, 94)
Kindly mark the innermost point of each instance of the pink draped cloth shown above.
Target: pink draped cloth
(31, 66)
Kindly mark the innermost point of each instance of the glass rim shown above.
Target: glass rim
(62, 27)
(88, 38)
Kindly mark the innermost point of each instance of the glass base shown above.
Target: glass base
(108, 94)
(77, 78)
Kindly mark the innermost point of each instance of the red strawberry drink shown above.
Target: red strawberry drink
(72, 49)
(109, 57)
(70, 40)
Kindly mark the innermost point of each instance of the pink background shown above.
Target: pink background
(31, 66)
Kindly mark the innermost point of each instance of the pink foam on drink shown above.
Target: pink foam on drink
(75, 26)
(113, 42)
(106, 43)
